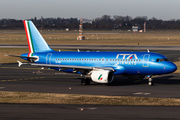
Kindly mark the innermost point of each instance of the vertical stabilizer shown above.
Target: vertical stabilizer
(36, 42)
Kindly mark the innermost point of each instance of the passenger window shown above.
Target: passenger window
(157, 60)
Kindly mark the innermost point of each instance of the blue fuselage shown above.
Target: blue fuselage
(135, 63)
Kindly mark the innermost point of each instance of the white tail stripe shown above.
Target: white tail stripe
(29, 39)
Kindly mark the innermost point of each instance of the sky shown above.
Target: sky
(90, 9)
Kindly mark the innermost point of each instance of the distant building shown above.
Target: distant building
(87, 21)
(172, 20)
(96, 19)
(135, 28)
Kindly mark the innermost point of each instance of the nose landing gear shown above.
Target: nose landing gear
(150, 82)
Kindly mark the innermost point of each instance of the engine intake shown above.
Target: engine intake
(102, 76)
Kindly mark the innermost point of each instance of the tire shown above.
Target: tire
(150, 83)
(85, 82)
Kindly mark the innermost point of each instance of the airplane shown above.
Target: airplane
(99, 67)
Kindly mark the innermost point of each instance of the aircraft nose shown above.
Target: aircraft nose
(171, 67)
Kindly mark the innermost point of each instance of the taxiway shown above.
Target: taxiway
(33, 79)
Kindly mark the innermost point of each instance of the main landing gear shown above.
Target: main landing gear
(85, 81)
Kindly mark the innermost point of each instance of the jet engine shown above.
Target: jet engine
(102, 76)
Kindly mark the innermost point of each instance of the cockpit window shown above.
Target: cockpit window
(161, 60)
(157, 60)
(165, 59)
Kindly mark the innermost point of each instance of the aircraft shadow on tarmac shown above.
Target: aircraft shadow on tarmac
(168, 79)
(160, 80)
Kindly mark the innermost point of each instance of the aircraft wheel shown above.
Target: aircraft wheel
(85, 82)
(150, 83)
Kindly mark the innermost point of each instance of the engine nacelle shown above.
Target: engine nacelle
(102, 76)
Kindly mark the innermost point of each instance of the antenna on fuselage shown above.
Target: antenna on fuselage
(148, 50)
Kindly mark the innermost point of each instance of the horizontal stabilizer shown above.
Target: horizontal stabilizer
(32, 58)
(20, 63)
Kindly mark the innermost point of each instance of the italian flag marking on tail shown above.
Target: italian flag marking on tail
(29, 37)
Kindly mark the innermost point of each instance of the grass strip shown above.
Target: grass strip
(95, 38)
(178, 66)
(54, 98)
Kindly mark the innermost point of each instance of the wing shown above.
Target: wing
(67, 66)
(71, 66)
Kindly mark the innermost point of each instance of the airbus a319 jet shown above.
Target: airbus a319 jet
(99, 67)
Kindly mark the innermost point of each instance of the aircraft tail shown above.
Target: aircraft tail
(36, 42)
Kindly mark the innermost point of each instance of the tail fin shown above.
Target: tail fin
(36, 42)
